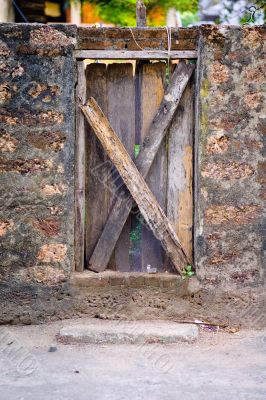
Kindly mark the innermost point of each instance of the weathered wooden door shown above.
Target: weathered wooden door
(130, 96)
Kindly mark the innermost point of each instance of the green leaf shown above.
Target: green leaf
(136, 150)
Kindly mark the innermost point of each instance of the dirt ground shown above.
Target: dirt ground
(219, 365)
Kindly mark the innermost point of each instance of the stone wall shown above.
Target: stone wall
(37, 138)
(36, 153)
(230, 159)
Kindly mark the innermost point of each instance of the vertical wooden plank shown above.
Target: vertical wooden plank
(80, 170)
(180, 170)
(140, 14)
(75, 12)
(152, 78)
(121, 114)
(97, 170)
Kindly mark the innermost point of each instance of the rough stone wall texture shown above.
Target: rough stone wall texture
(36, 154)
(37, 186)
(230, 157)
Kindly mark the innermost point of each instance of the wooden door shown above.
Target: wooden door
(130, 98)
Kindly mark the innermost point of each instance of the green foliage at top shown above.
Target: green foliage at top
(122, 12)
(180, 5)
(118, 12)
(189, 17)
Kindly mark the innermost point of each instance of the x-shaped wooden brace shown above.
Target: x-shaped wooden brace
(133, 175)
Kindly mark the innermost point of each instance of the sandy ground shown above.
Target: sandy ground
(33, 365)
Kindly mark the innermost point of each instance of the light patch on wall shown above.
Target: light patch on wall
(52, 9)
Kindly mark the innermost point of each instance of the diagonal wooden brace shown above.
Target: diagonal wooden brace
(147, 203)
(122, 207)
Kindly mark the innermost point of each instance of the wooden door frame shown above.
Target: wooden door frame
(80, 96)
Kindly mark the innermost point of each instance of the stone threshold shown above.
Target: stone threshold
(120, 332)
(127, 279)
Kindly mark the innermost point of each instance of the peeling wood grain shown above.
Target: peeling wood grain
(180, 196)
(96, 211)
(151, 87)
(121, 109)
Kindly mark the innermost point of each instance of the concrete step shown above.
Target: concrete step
(119, 332)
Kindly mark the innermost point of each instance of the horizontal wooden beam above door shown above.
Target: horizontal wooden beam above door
(134, 55)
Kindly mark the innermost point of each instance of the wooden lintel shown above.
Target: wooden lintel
(134, 55)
